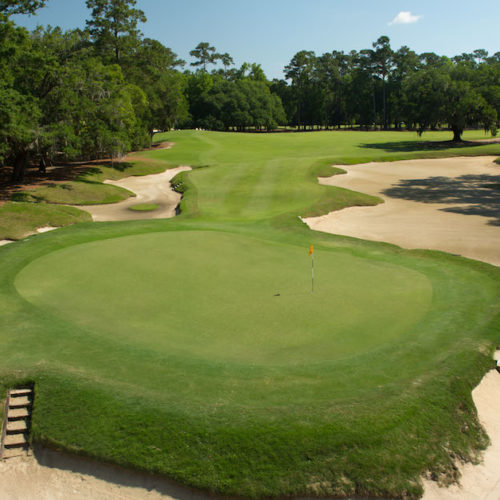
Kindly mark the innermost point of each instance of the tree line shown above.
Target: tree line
(382, 87)
(103, 90)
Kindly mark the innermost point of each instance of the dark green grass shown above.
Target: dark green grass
(75, 193)
(19, 219)
(136, 165)
(144, 207)
(195, 348)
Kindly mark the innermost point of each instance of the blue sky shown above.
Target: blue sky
(270, 32)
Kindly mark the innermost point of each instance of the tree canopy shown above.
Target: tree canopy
(100, 91)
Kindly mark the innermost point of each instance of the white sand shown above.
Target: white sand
(410, 218)
(151, 189)
(45, 229)
(59, 476)
(5, 242)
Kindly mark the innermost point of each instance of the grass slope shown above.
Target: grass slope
(75, 193)
(164, 345)
(19, 219)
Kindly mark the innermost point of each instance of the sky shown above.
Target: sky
(270, 32)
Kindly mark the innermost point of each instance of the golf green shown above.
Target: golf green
(228, 298)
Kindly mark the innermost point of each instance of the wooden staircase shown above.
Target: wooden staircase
(17, 422)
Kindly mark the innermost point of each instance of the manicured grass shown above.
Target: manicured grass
(19, 219)
(75, 193)
(144, 207)
(194, 347)
(257, 176)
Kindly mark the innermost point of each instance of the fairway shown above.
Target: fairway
(195, 347)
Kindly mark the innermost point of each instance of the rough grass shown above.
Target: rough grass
(19, 219)
(198, 369)
(135, 165)
(74, 193)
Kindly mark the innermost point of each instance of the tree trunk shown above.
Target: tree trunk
(42, 167)
(20, 163)
(457, 134)
(384, 104)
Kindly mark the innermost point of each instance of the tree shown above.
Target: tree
(300, 72)
(154, 71)
(113, 27)
(406, 62)
(10, 7)
(205, 54)
(382, 64)
(447, 94)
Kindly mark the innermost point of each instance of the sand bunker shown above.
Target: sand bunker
(150, 189)
(478, 482)
(59, 476)
(450, 204)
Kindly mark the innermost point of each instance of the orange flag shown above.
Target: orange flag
(311, 249)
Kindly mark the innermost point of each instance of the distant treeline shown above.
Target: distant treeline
(104, 90)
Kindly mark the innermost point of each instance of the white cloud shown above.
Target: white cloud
(405, 17)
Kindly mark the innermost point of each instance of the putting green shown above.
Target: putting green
(227, 298)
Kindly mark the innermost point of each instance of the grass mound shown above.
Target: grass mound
(19, 219)
(75, 193)
(144, 207)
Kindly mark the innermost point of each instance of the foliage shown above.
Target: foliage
(380, 86)
(113, 27)
(10, 7)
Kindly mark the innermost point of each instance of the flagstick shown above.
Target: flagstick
(312, 272)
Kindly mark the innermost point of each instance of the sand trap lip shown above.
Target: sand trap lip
(478, 482)
(150, 189)
(45, 229)
(39, 230)
(463, 217)
(54, 475)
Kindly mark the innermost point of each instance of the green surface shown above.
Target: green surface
(144, 207)
(233, 314)
(200, 346)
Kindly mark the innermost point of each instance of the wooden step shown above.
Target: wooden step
(17, 426)
(21, 392)
(15, 441)
(19, 401)
(13, 453)
(18, 413)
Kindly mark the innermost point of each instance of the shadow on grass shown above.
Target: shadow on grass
(119, 166)
(119, 477)
(115, 475)
(412, 146)
(472, 194)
